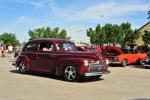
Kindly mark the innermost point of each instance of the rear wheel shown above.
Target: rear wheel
(70, 73)
(21, 67)
(140, 61)
(124, 63)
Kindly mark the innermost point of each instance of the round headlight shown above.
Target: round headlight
(147, 60)
(107, 61)
(86, 62)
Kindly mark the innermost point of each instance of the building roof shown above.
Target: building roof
(144, 25)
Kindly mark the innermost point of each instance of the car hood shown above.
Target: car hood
(79, 54)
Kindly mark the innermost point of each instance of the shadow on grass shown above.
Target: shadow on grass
(54, 77)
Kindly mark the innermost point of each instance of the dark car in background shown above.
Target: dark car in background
(146, 64)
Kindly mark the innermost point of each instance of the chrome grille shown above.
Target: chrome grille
(96, 66)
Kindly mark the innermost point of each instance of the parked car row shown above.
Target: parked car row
(63, 58)
(123, 57)
(116, 55)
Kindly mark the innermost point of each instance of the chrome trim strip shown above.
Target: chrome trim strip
(93, 74)
(114, 63)
(147, 65)
(60, 54)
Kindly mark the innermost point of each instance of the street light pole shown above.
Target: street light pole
(101, 17)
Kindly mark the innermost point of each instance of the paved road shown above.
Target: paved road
(121, 84)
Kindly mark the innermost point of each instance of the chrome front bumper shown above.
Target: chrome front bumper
(95, 69)
(114, 62)
(93, 74)
(146, 65)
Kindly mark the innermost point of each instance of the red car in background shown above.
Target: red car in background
(116, 55)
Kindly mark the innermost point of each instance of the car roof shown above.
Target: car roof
(49, 39)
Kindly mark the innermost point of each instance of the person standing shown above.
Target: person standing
(3, 50)
(10, 49)
(16, 50)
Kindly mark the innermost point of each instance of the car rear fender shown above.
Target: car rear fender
(26, 61)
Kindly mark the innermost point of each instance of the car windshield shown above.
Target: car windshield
(66, 46)
(125, 50)
(129, 51)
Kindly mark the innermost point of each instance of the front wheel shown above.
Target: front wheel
(70, 73)
(21, 67)
(124, 63)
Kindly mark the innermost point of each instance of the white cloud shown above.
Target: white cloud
(92, 12)
(23, 19)
(36, 4)
(78, 33)
(60, 12)
(109, 10)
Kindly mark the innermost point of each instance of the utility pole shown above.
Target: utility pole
(101, 17)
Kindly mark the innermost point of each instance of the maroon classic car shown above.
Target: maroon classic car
(58, 57)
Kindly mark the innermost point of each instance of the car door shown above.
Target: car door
(46, 59)
(31, 50)
(132, 56)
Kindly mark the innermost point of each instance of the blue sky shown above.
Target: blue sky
(18, 16)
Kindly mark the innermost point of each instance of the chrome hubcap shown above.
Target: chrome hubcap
(70, 73)
(141, 61)
(21, 67)
(124, 63)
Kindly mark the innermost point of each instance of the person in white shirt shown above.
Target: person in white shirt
(10, 49)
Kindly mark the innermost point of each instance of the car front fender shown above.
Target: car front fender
(77, 62)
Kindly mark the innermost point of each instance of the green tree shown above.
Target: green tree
(62, 34)
(9, 38)
(130, 35)
(92, 34)
(146, 37)
(113, 34)
(97, 36)
(108, 32)
(100, 35)
(47, 33)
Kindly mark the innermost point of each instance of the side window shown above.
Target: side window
(66, 46)
(33, 46)
(46, 46)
